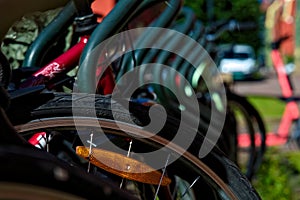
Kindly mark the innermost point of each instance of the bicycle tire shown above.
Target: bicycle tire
(29, 173)
(216, 170)
(5, 71)
(255, 125)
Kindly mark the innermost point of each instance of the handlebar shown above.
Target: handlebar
(245, 26)
(232, 25)
(275, 45)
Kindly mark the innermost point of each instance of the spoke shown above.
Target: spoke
(48, 139)
(90, 151)
(128, 154)
(162, 176)
(186, 191)
(129, 149)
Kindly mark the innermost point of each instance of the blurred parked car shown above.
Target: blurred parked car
(239, 60)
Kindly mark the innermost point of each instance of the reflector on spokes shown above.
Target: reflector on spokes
(123, 166)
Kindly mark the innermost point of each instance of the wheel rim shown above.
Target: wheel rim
(109, 127)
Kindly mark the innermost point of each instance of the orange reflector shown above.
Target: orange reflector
(123, 166)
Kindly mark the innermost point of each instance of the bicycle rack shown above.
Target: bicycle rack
(120, 16)
(162, 57)
(164, 20)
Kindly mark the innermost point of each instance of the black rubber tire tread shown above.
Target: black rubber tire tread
(32, 168)
(5, 71)
(61, 106)
(255, 117)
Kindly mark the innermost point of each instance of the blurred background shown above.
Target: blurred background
(279, 174)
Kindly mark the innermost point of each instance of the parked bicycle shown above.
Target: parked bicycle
(290, 117)
(28, 172)
(51, 117)
(251, 132)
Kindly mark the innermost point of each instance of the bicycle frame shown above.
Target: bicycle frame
(61, 64)
(69, 59)
(86, 74)
(80, 51)
(291, 111)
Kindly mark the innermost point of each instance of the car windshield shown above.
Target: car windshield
(234, 55)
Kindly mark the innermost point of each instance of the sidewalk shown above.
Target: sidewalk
(267, 87)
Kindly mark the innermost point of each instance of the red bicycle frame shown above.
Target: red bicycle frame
(291, 112)
(61, 64)
(68, 60)
(65, 63)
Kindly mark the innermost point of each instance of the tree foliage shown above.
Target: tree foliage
(241, 10)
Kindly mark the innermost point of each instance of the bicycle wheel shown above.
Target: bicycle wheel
(5, 71)
(29, 174)
(213, 177)
(251, 134)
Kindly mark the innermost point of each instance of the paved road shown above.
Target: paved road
(266, 87)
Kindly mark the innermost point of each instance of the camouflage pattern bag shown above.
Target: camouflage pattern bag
(22, 33)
